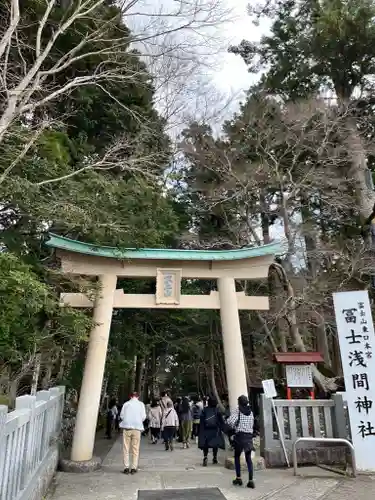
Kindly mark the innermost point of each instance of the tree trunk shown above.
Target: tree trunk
(4, 380)
(265, 220)
(323, 382)
(364, 194)
(248, 380)
(322, 340)
(62, 366)
(103, 398)
(268, 332)
(46, 379)
(139, 367)
(13, 390)
(309, 237)
(217, 340)
(212, 379)
(336, 357)
(152, 373)
(131, 383)
(287, 230)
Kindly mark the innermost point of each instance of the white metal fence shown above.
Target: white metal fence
(300, 418)
(26, 435)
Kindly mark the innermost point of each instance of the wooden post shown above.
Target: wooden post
(266, 424)
(339, 417)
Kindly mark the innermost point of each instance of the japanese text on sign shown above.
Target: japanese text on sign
(356, 337)
(299, 376)
(168, 286)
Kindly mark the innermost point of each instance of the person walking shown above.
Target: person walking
(197, 412)
(186, 419)
(146, 423)
(132, 416)
(154, 419)
(117, 421)
(241, 421)
(165, 399)
(169, 426)
(177, 407)
(111, 417)
(211, 431)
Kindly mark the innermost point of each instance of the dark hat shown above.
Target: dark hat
(243, 400)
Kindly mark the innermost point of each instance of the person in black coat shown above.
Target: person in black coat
(211, 428)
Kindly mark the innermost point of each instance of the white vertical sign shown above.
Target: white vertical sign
(269, 388)
(270, 393)
(355, 331)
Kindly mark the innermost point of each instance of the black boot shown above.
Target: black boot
(237, 482)
(204, 462)
(214, 460)
(166, 446)
(251, 484)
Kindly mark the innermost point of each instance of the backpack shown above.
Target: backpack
(212, 421)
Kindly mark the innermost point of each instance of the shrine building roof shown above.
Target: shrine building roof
(62, 243)
(298, 358)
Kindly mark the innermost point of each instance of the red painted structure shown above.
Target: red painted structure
(297, 358)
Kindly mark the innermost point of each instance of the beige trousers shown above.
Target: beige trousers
(131, 441)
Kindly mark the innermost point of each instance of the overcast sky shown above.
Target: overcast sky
(233, 74)
(221, 78)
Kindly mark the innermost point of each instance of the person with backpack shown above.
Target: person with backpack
(241, 421)
(211, 428)
(169, 425)
(197, 412)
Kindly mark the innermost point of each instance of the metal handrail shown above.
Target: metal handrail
(323, 440)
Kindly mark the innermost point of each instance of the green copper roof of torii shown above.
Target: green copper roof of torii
(62, 243)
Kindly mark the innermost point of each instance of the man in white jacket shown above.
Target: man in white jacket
(132, 416)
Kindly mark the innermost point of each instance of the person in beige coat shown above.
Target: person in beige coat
(169, 425)
(154, 419)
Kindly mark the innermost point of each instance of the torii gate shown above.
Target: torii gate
(168, 267)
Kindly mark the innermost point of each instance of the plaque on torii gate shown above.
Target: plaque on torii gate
(168, 286)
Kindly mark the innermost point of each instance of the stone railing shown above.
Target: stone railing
(303, 418)
(28, 444)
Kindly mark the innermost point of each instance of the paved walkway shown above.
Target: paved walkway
(159, 469)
